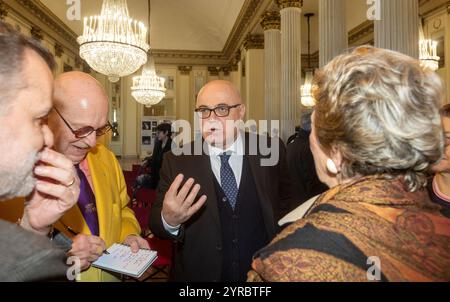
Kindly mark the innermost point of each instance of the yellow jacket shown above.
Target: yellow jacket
(116, 220)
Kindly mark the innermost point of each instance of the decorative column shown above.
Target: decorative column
(398, 27)
(333, 37)
(183, 108)
(254, 77)
(270, 22)
(291, 69)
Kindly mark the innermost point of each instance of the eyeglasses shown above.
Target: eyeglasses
(86, 131)
(219, 111)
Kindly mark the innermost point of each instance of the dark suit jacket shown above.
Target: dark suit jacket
(198, 251)
(303, 171)
(157, 159)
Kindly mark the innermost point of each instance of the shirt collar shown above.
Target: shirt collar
(237, 148)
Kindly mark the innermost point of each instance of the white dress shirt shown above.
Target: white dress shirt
(236, 150)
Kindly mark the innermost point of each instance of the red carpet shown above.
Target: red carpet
(145, 199)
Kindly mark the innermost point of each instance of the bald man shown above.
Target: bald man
(101, 217)
(222, 205)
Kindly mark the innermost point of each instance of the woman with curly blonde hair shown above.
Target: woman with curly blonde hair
(376, 131)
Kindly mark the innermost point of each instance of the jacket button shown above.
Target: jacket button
(224, 199)
(219, 247)
(235, 241)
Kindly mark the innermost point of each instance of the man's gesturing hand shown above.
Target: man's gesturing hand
(178, 205)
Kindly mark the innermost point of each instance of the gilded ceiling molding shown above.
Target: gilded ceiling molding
(185, 70)
(248, 12)
(186, 57)
(271, 20)
(289, 3)
(38, 15)
(3, 10)
(428, 8)
(363, 30)
(254, 42)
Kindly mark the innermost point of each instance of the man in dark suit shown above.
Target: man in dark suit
(242, 195)
(301, 165)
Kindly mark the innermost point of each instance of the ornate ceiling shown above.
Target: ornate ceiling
(176, 24)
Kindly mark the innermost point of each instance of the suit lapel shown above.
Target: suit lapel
(205, 174)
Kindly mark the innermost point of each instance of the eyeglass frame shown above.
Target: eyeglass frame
(214, 110)
(108, 126)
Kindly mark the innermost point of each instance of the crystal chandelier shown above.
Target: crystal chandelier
(428, 54)
(112, 43)
(307, 89)
(148, 88)
(307, 98)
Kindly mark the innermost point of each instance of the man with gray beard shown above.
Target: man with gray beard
(28, 166)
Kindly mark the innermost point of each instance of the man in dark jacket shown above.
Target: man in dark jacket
(301, 165)
(242, 193)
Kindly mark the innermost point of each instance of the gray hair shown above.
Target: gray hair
(380, 109)
(12, 50)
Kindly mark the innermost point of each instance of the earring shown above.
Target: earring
(331, 167)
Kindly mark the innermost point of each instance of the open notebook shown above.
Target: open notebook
(121, 260)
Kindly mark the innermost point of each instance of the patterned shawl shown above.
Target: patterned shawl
(371, 217)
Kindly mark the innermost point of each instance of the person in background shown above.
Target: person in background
(301, 165)
(439, 185)
(28, 166)
(149, 178)
(101, 217)
(163, 144)
(376, 130)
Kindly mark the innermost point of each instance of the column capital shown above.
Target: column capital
(36, 33)
(271, 20)
(3, 10)
(236, 58)
(185, 70)
(214, 70)
(234, 67)
(289, 3)
(59, 50)
(226, 70)
(254, 42)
